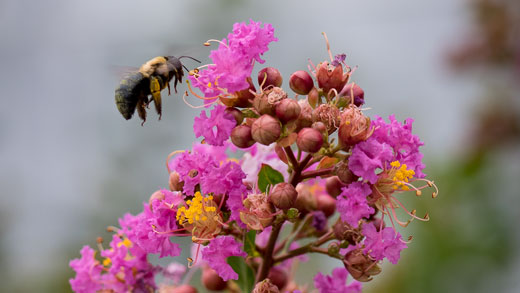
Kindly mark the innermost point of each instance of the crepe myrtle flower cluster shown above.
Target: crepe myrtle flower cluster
(278, 175)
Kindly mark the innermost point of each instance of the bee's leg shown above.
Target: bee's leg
(169, 91)
(155, 89)
(141, 108)
(175, 84)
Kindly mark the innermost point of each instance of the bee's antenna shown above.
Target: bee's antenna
(190, 58)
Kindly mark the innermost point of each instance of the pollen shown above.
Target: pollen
(197, 209)
(107, 261)
(126, 242)
(401, 175)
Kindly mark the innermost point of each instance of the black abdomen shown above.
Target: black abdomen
(132, 88)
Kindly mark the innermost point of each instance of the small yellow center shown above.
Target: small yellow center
(196, 209)
(401, 175)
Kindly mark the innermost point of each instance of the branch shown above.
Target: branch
(316, 173)
(311, 247)
(268, 255)
(290, 156)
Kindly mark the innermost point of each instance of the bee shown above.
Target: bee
(135, 89)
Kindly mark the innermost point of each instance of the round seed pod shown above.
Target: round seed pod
(283, 196)
(241, 136)
(266, 129)
(309, 140)
(301, 82)
(272, 77)
(287, 110)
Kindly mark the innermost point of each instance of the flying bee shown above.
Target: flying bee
(153, 76)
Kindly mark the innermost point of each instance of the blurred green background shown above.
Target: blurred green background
(71, 165)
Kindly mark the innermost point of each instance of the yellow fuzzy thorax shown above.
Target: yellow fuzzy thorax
(150, 66)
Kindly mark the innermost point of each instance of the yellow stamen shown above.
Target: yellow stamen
(107, 261)
(126, 242)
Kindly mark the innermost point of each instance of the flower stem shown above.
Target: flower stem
(316, 173)
(311, 247)
(268, 254)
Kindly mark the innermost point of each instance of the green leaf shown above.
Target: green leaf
(249, 244)
(246, 276)
(268, 176)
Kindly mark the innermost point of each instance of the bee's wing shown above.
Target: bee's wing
(122, 71)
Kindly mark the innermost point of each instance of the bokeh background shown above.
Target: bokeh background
(71, 165)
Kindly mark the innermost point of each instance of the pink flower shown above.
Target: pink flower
(218, 153)
(369, 156)
(251, 39)
(336, 283)
(127, 262)
(230, 70)
(215, 129)
(223, 179)
(216, 253)
(88, 272)
(352, 203)
(385, 243)
(400, 138)
(227, 179)
(192, 167)
(233, 61)
(201, 167)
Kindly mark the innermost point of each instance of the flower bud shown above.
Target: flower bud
(287, 110)
(361, 266)
(266, 286)
(355, 127)
(211, 280)
(306, 201)
(269, 76)
(354, 90)
(309, 140)
(326, 204)
(320, 126)
(334, 186)
(333, 248)
(283, 196)
(331, 77)
(156, 195)
(237, 114)
(344, 174)
(305, 118)
(344, 232)
(301, 82)
(175, 182)
(266, 130)
(329, 115)
(313, 97)
(241, 136)
(278, 277)
(262, 105)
